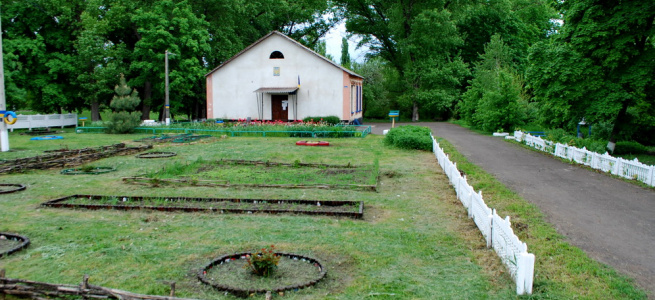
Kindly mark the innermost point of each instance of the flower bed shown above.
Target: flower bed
(10, 243)
(6, 188)
(227, 273)
(353, 209)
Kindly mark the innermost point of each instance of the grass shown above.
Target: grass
(414, 241)
(559, 267)
(8, 244)
(234, 173)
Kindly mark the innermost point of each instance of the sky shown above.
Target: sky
(333, 44)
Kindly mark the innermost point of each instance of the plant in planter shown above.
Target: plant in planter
(263, 263)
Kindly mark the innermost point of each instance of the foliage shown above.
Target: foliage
(378, 83)
(330, 120)
(345, 54)
(599, 66)
(495, 99)
(629, 147)
(419, 40)
(264, 262)
(409, 137)
(123, 119)
(563, 137)
(41, 60)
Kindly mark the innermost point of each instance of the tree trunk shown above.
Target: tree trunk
(415, 111)
(147, 95)
(95, 111)
(620, 119)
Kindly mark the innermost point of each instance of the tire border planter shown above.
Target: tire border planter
(19, 187)
(25, 242)
(155, 154)
(359, 214)
(245, 292)
(96, 170)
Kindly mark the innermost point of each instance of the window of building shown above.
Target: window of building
(276, 55)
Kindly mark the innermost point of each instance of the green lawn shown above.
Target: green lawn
(414, 242)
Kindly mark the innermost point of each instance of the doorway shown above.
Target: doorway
(280, 107)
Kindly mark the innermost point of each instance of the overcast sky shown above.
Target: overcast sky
(333, 44)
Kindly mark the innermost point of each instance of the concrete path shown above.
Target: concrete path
(611, 220)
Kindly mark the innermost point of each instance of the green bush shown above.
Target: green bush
(332, 120)
(629, 148)
(123, 122)
(409, 137)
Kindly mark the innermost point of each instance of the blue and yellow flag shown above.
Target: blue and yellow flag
(298, 81)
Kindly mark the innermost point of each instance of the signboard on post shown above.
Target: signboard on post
(394, 115)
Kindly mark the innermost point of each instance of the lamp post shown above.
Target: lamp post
(583, 123)
(4, 134)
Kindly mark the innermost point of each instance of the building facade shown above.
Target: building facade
(277, 78)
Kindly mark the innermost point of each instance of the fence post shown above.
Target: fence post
(619, 166)
(651, 173)
(490, 238)
(524, 273)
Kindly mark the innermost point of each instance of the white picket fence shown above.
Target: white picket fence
(630, 169)
(40, 121)
(497, 231)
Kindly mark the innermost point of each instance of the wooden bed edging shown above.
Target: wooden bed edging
(38, 290)
(57, 203)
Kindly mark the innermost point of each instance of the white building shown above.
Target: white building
(277, 78)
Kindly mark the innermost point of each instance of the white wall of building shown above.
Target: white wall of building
(233, 85)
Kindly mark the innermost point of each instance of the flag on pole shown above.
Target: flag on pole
(298, 81)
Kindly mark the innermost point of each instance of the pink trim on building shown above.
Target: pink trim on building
(346, 97)
(210, 98)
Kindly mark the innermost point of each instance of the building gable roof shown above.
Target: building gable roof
(289, 39)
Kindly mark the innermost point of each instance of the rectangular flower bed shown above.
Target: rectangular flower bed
(353, 209)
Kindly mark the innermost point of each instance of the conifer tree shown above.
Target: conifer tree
(345, 55)
(123, 118)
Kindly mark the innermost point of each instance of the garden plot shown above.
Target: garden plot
(263, 174)
(353, 209)
(10, 243)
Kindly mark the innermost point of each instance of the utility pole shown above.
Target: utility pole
(4, 134)
(167, 107)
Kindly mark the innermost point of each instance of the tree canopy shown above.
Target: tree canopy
(496, 64)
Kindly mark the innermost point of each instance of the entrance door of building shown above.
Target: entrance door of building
(280, 107)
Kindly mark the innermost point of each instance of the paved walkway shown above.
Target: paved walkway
(611, 220)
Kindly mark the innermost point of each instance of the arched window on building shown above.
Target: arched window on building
(276, 55)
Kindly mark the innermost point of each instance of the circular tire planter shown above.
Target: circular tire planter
(93, 171)
(237, 260)
(155, 154)
(12, 188)
(20, 241)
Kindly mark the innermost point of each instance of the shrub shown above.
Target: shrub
(123, 122)
(409, 137)
(263, 263)
(629, 148)
(332, 120)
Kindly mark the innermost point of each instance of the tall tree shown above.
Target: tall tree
(38, 37)
(345, 54)
(170, 25)
(419, 39)
(600, 66)
(494, 99)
